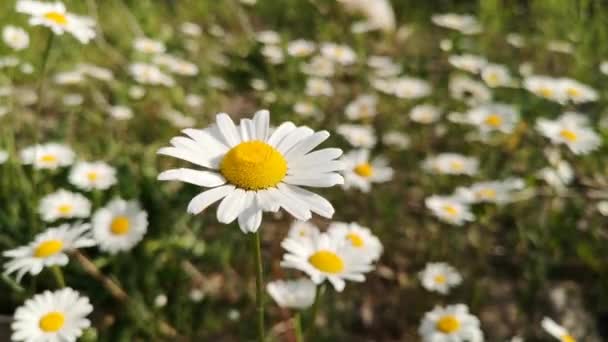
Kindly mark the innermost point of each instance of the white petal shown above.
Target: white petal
(231, 206)
(281, 132)
(307, 145)
(201, 178)
(186, 155)
(319, 181)
(251, 218)
(207, 198)
(293, 138)
(316, 157)
(228, 129)
(261, 120)
(292, 205)
(317, 203)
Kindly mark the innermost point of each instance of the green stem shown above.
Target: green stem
(297, 327)
(310, 333)
(259, 282)
(58, 276)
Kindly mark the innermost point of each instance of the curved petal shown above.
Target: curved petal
(201, 178)
(207, 198)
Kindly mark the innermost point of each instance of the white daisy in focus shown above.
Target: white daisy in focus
(425, 114)
(361, 239)
(341, 54)
(92, 176)
(300, 48)
(318, 87)
(15, 37)
(150, 74)
(253, 170)
(362, 108)
(59, 316)
(571, 129)
(439, 277)
(451, 164)
(55, 17)
(119, 225)
(464, 23)
(358, 135)
(452, 323)
(396, 139)
(496, 75)
(148, 46)
(48, 248)
(302, 230)
(499, 192)
(63, 204)
(293, 294)
(467, 62)
(359, 172)
(556, 330)
(493, 117)
(450, 209)
(324, 257)
(47, 156)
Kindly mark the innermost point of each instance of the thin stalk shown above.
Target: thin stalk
(297, 327)
(259, 282)
(310, 332)
(58, 274)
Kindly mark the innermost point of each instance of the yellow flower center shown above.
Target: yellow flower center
(48, 248)
(326, 261)
(456, 165)
(450, 210)
(355, 240)
(56, 17)
(440, 279)
(448, 324)
(573, 92)
(52, 322)
(568, 135)
(254, 165)
(487, 193)
(493, 120)
(493, 78)
(48, 158)
(65, 209)
(92, 176)
(120, 225)
(364, 170)
(568, 338)
(546, 92)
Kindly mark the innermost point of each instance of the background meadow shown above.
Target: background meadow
(542, 254)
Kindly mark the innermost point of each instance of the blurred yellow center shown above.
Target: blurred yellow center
(52, 321)
(456, 165)
(120, 225)
(487, 193)
(48, 248)
(493, 120)
(450, 210)
(448, 324)
(92, 176)
(573, 92)
(568, 135)
(568, 338)
(546, 92)
(254, 165)
(326, 261)
(440, 279)
(65, 209)
(355, 239)
(56, 17)
(48, 158)
(492, 78)
(364, 170)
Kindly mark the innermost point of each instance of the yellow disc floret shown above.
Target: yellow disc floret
(448, 324)
(120, 225)
(440, 279)
(52, 322)
(327, 261)
(493, 120)
(364, 170)
(355, 239)
(254, 165)
(48, 248)
(568, 135)
(56, 17)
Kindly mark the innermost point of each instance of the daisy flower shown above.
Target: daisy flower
(306, 109)
(493, 117)
(318, 87)
(362, 108)
(302, 230)
(576, 92)
(452, 323)
(467, 62)
(410, 88)
(150, 74)
(119, 226)
(273, 53)
(379, 15)
(450, 209)
(451, 164)
(464, 23)
(3, 156)
(491, 192)
(360, 172)
(59, 316)
(149, 46)
(396, 139)
(341, 54)
(268, 37)
(92, 176)
(294, 294)
(253, 170)
(358, 135)
(496, 75)
(439, 277)
(191, 29)
(544, 86)
(384, 66)
(556, 330)
(120, 112)
(48, 248)
(469, 90)
(47, 156)
(15, 37)
(359, 238)
(63, 204)
(319, 66)
(300, 48)
(425, 114)
(571, 129)
(324, 257)
(55, 17)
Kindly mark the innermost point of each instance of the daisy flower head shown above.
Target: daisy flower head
(58, 316)
(319, 66)
(452, 323)
(273, 54)
(341, 54)
(464, 23)
(556, 330)
(571, 129)
(361, 239)
(358, 135)
(425, 113)
(451, 164)
(63, 204)
(576, 92)
(55, 16)
(302, 230)
(268, 37)
(439, 277)
(318, 87)
(469, 90)
(493, 117)
(450, 209)
(384, 66)
(294, 294)
(92, 176)
(499, 192)
(325, 257)
(148, 46)
(300, 48)
(3, 156)
(150, 74)
(360, 172)
(252, 169)
(362, 108)
(379, 15)
(48, 248)
(545, 87)
(410, 88)
(119, 226)
(496, 75)
(47, 156)
(467, 62)
(15, 37)
(120, 112)
(397, 140)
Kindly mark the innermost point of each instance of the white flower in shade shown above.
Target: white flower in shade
(492, 192)
(319, 66)
(15, 37)
(294, 294)
(493, 117)
(544, 86)
(516, 40)
(464, 23)
(439, 277)
(452, 164)
(268, 37)
(361, 239)
(358, 135)
(571, 129)
(194, 100)
(469, 90)
(63, 204)
(379, 14)
(452, 323)
(119, 225)
(318, 87)
(149, 46)
(324, 257)
(396, 139)
(384, 66)
(560, 46)
(576, 92)
(69, 78)
(425, 114)
(121, 112)
(191, 29)
(300, 48)
(604, 67)
(3, 156)
(558, 176)
(48, 248)
(253, 170)
(556, 330)
(360, 172)
(306, 109)
(58, 316)
(496, 75)
(341, 54)
(602, 207)
(150, 74)
(47, 156)
(467, 62)
(410, 88)
(55, 17)
(160, 300)
(362, 108)
(92, 176)
(302, 230)
(450, 209)
(273, 53)
(136, 92)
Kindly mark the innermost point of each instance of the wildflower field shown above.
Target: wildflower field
(303, 170)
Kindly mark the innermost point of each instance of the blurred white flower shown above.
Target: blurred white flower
(464, 23)
(341, 54)
(469, 90)
(396, 139)
(119, 226)
(362, 108)
(3, 156)
(358, 135)
(571, 129)
(360, 238)
(452, 323)
(120, 112)
(556, 330)
(191, 29)
(492, 191)
(92, 176)
(496, 75)
(493, 117)
(160, 300)
(602, 207)
(273, 53)
(451, 164)
(450, 209)
(63, 204)
(359, 172)
(300, 48)
(318, 87)
(15, 37)
(425, 114)
(294, 294)
(47, 156)
(302, 230)
(148, 46)
(319, 66)
(467, 62)
(150, 74)
(439, 277)
(268, 37)
(379, 14)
